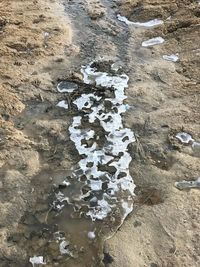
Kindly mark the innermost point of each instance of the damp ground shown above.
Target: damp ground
(47, 43)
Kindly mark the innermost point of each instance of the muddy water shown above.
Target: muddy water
(89, 202)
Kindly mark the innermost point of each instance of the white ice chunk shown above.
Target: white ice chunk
(62, 104)
(96, 185)
(172, 57)
(101, 211)
(36, 260)
(119, 140)
(185, 138)
(91, 235)
(85, 101)
(64, 247)
(148, 24)
(153, 41)
(127, 208)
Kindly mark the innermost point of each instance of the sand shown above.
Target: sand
(43, 42)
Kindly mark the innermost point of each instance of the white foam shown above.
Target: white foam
(153, 41)
(172, 57)
(148, 24)
(36, 260)
(62, 104)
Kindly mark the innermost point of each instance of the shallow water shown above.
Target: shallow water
(97, 196)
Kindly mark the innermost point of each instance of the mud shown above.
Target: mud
(46, 42)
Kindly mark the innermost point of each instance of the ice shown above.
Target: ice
(102, 185)
(148, 24)
(185, 138)
(188, 184)
(172, 57)
(64, 248)
(36, 260)
(66, 87)
(62, 104)
(153, 41)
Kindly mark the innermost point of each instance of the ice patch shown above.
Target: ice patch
(102, 141)
(196, 145)
(185, 138)
(153, 41)
(66, 87)
(172, 57)
(148, 24)
(62, 104)
(64, 248)
(36, 260)
(187, 184)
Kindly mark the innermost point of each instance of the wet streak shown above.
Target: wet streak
(97, 196)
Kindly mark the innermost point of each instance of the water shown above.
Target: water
(98, 195)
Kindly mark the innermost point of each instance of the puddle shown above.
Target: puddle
(148, 24)
(100, 187)
(89, 202)
(153, 41)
